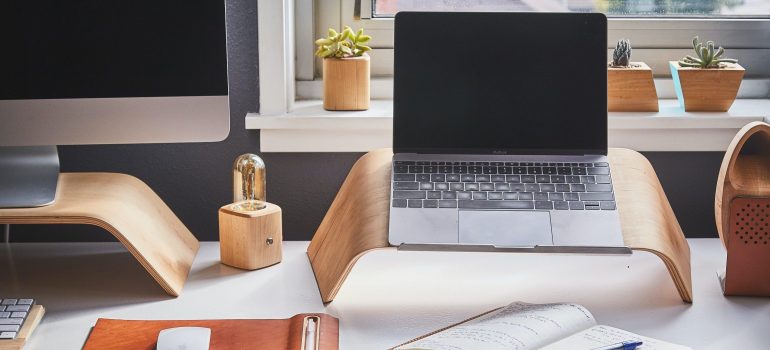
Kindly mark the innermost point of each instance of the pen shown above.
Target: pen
(626, 345)
(310, 335)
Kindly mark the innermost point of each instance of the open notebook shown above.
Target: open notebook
(523, 326)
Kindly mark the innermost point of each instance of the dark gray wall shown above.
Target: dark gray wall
(194, 179)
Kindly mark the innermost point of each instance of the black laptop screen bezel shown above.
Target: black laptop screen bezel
(409, 23)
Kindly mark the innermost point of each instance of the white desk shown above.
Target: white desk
(389, 297)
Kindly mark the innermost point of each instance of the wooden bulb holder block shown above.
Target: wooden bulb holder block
(357, 221)
(250, 240)
(742, 212)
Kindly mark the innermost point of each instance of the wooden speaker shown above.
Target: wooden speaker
(742, 210)
(250, 239)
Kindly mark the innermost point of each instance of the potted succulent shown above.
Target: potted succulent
(345, 69)
(630, 87)
(707, 82)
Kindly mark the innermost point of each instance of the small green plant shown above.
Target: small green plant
(621, 57)
(708, 57)
(343, 44)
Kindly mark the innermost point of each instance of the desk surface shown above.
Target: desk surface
(389, 297)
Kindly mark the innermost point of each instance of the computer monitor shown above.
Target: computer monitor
(104, 72)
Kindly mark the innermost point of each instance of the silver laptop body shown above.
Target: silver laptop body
(495, 151)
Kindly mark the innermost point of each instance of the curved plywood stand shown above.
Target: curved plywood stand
(357, 221)
(127, 208)
(741, 210)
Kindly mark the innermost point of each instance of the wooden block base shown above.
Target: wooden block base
(250, 240)
(33, 319)
(128, 209)
(357, 221)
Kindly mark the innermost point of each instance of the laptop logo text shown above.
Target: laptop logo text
(499, 152)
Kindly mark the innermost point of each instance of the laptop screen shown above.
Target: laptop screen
(500, 83)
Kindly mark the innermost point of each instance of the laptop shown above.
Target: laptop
(500, 133)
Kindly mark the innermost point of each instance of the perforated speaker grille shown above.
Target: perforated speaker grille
(750, 221)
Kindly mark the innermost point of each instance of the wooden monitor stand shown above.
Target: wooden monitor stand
(128, 209)
(357, 221)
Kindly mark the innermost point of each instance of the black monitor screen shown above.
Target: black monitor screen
(114, 48)
(502, 83)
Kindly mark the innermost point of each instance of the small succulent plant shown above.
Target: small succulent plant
(708, 57)
(343, 44)
(621, 57)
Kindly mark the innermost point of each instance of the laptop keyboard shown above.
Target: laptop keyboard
(502, 185)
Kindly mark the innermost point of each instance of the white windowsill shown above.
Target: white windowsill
(310, 128)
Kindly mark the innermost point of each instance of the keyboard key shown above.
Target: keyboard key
(441, 186)
(399, 203)
(430, 203)
(561, 205)
(558, 179)
(532, 188)
(9, 328)
(597, 196)
(542, 179)
(2, 308)
(409, 194)
(449, 195)
(541, 196)
(575, 205)
(12, 308)
(445, 169)
(399, 169)
(456, 186)
(603, 179)
(489, 170)
(519, 170)
(415, 169)
(466, 204)
(498, 178)
(438, 178)
(556, 196)
(406, 186)
(468, 178)
(562, 188)
(601, 164)
(9, 302)
(475, 169)
(482, 178)
(517, 187)
(598, 171)
(510, 196)
(426, 186)
(460, 169)
(549, 170)
(464, 195)
(487, 186)
(528, 179)
(502, 186)
(513, 178)
(471, 186)
(573, 179)
(447, 203)
(534, 170)
(547, 188)
(598, 188)
(7, 335)
(403, 177)
(415, 203)
(495, 195)
(564, 171)
(453, 177)
(607, 205)
(571, 197)
(588, 179)
(434, 195)
(526, 196)
(422, 177)
(591, 205)
(505, 170)
(5, 314)
(479, 195)
(543, 205)
(11, 321)
(579, 171)
(578, 188)
(18, 314)
(431, 169)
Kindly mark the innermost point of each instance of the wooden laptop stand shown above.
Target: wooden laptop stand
(127, 208)
(357, 221)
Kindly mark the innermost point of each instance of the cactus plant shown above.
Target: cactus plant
(621, 57)
(343, 44)
(708, 57)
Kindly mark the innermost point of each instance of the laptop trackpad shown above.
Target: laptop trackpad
(505, 228)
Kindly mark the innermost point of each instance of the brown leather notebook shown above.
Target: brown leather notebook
(281, 334)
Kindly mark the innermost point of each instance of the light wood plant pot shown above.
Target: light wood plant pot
(631, 89)
(346, 83)
(706, 89)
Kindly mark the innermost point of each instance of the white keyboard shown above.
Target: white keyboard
(13, 313)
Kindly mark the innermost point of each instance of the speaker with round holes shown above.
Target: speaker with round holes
(742, 209)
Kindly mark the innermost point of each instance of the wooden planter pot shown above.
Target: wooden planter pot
(631, 89)
(346, 83)
(706, 90)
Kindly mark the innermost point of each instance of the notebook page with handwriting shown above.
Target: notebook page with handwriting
(598, 336)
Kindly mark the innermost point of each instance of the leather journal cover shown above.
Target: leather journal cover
(278, 334)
